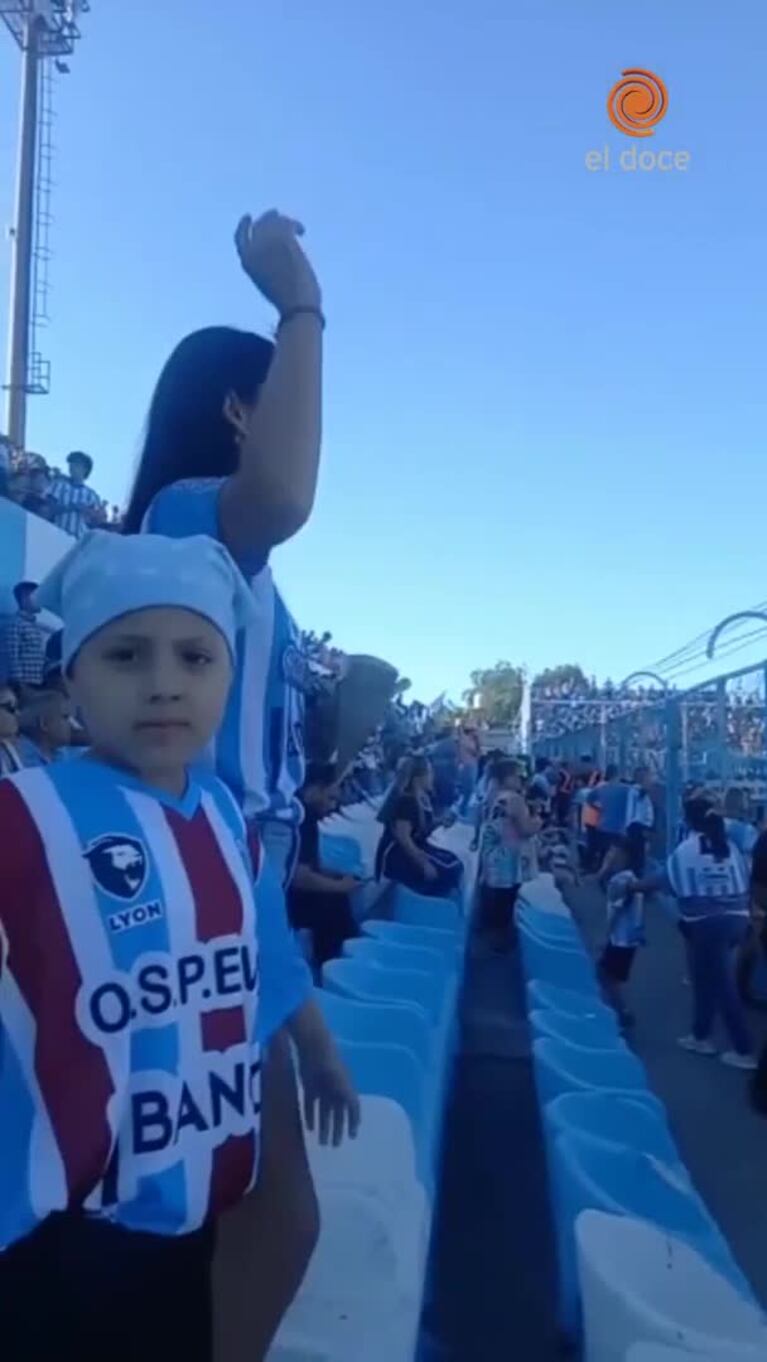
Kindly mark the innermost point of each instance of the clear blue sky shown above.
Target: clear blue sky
(546, 398)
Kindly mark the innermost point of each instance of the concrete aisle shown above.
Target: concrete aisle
(723, 1143)
(491, 1293)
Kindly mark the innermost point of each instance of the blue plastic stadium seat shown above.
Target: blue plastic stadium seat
(623, 1181)
(393, 1071)
(637, 1121)
(377, 1023)
(374, 983)
(562, 1067)
(402, 934)
(551, 924)
(341, 854)
(571, 1002)
(592, 1032)
(388, 955)
(419, 910)
(555, 964)
(567, 938)
(396, 955)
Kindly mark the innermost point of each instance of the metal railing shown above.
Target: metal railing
(714, 734)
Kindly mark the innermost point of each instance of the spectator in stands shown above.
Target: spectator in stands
(45, 724)
(37, 501)
(708, 876)
(10, 757)
(405, 853)
(485, 791)
(625, 918)
(754, 948)
(563, 798)
(610, 799)
(468, 761)
(19, 486)
(318, 899)
(639, 803)
(75, 507)
(739, 829)
(507, 851)
(540, 790)
(22, 641)
(232, 450)
(150, 638)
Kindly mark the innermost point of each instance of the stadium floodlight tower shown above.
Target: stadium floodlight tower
(45, 31)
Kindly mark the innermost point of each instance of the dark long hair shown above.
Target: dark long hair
(703, 818)
(409, 769)
(187, 434)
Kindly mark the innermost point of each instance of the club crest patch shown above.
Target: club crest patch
(119, 865)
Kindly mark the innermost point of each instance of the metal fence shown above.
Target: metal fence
(714, 734)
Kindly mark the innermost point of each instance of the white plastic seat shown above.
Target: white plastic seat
(362, 1294)
(640, 1284)
(383, 1154)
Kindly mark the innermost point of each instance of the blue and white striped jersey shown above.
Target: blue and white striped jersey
(259, 751)
(705, 886)
(72, 503)
(129, 1000)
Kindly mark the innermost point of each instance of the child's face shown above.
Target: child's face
(152, 687)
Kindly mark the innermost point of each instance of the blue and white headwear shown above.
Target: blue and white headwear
(105, 576)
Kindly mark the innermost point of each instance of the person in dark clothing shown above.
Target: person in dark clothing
(405, 853)
(319, 900)
(754, 947)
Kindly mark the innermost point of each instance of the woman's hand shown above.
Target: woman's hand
(430, 873)
(271, 255)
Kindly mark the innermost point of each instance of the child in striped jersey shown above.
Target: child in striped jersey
(625, 919)
(129, 972)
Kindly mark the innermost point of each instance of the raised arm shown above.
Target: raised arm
(271, 495)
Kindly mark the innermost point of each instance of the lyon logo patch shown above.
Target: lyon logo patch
(119, 865)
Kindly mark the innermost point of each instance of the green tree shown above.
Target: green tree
(568, 676)
(495, 694)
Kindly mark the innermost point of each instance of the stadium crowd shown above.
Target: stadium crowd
(560, 709)
(65, 499)
(712, 880)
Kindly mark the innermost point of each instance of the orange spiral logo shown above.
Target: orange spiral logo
(637, 102)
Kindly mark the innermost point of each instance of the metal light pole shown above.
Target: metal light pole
(43, 30)
(21, 241)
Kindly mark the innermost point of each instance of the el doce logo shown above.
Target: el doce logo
(636, 104)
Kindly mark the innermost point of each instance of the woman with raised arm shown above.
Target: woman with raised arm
(232, 450)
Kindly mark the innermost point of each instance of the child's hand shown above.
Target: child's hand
(330, 1099)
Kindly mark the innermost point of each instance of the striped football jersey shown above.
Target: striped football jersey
(129, 989)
